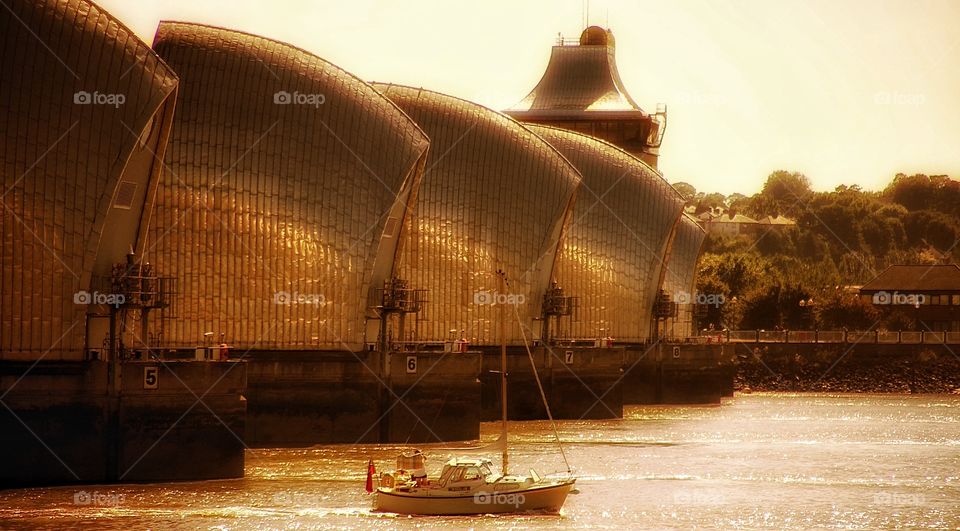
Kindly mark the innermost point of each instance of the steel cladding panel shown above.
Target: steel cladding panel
(77, 89)
(679, 281)
(611, 254)
(493, 196)
(282, 170)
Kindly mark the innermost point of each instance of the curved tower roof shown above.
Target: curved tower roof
(612, 252)
(85, 108)
(580, 78)
(679, 280)
(581, 90)
(493, 196)
(287, 188)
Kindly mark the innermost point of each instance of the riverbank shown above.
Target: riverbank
(834, 372)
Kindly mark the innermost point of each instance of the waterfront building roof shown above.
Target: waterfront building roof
(731, 217)
(916, 278)
(776, 220)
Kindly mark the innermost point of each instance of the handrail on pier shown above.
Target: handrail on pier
(882, 337)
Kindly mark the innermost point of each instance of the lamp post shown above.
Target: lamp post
(736, 312)
(807, 307)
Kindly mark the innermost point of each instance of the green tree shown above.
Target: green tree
(843, 237)
(737, 201)
(762, 308)
(846, 310)
(930, 227)
(920, 192)
(784, 193)
(739, 272)
(687, 191)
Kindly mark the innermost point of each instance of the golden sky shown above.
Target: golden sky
(845, 91)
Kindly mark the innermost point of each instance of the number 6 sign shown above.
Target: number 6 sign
(411, 365)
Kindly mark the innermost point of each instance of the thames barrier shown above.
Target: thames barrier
(219, 241)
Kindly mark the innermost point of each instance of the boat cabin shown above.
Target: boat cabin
(464, 474)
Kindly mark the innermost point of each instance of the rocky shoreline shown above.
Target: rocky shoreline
(849, 376)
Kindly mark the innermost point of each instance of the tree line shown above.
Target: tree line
(842, 239)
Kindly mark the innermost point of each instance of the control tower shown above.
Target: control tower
(581, 91)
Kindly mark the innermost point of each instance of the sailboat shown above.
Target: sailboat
(468, 485)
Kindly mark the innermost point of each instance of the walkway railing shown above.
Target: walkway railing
(831, 336)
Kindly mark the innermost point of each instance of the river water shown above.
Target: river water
(774, 461)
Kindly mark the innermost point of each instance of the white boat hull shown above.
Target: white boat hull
(547, 498)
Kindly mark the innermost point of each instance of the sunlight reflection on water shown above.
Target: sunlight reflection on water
(759, 461)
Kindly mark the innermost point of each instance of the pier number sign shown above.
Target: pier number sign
(411, 365)
(151, 377)
(568, 357)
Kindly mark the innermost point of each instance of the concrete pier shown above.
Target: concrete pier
(307, 398)
(579, 383)
(168, 422)
(677, 373)
(436, 397)
(301, 399)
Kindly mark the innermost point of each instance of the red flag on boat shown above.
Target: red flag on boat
(371, 470)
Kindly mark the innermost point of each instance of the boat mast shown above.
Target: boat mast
(503, 369)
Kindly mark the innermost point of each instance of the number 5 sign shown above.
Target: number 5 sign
(151, 377)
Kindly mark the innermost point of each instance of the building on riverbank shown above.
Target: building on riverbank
(927, 294)
(731, 224)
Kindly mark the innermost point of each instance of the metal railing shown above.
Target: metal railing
(884, 337)
(397, 296)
